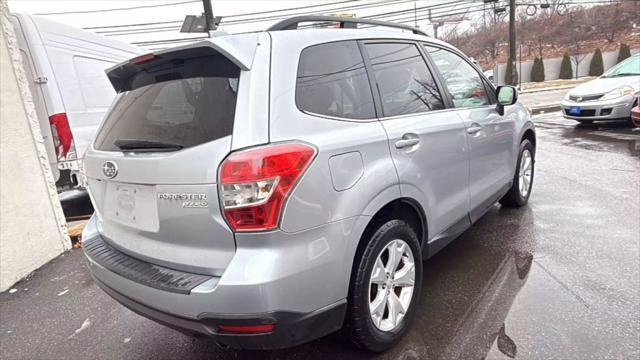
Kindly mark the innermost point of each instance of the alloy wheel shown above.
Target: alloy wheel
(391, 285)
(526, 172)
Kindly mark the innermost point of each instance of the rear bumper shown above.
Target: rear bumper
(617, 109)
(297, 280)
(290, 329)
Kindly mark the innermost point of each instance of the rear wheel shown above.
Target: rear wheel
(520, 190)
(385, 287)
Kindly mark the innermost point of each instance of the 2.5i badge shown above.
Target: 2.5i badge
(188, 200)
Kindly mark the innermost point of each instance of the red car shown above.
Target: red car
(635, 114)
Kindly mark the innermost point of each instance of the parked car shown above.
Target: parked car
(609, 97)
(256, 190)
(70, 90)
(489, 75)
(635, 113)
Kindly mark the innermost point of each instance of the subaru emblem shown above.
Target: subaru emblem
(110, 169)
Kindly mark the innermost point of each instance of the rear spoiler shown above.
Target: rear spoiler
(238, 49)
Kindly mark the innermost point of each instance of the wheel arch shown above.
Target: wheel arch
(530, 135)
(403, 208)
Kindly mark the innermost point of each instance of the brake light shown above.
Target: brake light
(142, 59)
(254, 184)
(62, 136)
(247, 329)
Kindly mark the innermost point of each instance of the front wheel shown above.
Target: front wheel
(385, 287)
(520, 190)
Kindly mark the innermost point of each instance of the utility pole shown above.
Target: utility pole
(435, 25)
(512, 79)
(208, 17)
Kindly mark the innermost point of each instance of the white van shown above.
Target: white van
(69, 86)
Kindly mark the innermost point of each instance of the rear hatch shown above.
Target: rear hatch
(153, 166)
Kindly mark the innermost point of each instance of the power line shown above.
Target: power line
(229, 16)
(353, 7)
(288, 9)
(418, 9)
(138, 31)
(264, 18)
(119, 9)
(440, 13)
(169, 41)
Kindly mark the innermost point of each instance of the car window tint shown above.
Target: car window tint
(462, 81)
(186, 112)
(405, 84)
(332, 80)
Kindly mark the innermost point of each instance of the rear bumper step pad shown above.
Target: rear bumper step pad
(140, 271)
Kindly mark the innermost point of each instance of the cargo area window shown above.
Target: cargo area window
(180, 104)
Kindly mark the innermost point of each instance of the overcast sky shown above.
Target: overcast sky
(162, 11)
(100, 13)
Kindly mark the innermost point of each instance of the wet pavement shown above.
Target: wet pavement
(559, 278)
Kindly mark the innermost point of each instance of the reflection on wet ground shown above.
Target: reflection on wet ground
(559, 278)
(599, 136)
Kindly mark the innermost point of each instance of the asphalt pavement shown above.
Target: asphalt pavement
(558, 279)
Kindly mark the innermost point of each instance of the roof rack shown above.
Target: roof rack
(349, 23)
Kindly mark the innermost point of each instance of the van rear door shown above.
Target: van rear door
(32, 72)
(153, 167)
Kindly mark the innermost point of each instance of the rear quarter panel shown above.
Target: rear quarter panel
(315, 200)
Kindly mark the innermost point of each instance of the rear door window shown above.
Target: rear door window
(404, 81)
(332, 81)
(186, 111)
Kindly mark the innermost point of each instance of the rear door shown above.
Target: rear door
(490, 135)
(152, 170)
(427, 142)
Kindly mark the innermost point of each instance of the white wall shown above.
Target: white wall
(32, 227)
(552, 66)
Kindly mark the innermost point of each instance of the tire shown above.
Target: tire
(515, 198)
(360, 327)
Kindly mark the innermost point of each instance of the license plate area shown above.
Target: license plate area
(574, 110)
(132, 205)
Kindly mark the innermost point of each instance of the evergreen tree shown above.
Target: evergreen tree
(566, 70)
(537, 71)
(596, 68)
(624, 52)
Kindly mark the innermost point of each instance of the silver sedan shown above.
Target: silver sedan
(609, 97)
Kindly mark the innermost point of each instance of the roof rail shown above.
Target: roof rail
(350, 23)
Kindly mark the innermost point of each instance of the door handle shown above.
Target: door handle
(408, 140)
(474, 128)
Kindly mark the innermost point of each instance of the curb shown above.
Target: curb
(531, 91)
(545, 108)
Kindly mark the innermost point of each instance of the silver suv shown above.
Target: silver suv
(269, 188)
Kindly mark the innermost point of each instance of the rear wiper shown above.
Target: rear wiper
(145, 145)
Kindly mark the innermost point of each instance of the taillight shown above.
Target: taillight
(62, 137)
(254, 184)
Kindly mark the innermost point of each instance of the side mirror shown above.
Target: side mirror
(507, 95)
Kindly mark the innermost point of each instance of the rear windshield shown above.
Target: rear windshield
(185, 111)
